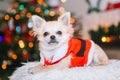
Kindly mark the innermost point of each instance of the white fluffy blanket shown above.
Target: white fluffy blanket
(109, 72)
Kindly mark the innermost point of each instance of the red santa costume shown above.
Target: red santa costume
(81, 52)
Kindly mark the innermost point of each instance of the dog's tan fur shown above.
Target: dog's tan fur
(63, 23)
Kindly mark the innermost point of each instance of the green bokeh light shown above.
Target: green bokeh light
(21, 7)
(46, 12)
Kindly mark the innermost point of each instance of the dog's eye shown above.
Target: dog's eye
(46, 33)
(59, 32)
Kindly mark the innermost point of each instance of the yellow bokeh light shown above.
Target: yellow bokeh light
(21, 44)
(63, 1)
(4, 66)
(30, 44)
(103, 39)
(52, 13)
(14, 56)
(6, 17)
(28, 15)
(17, 16)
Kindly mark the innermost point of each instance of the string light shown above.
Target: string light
(61, 9)
(52, 13)
(21, 44)
(38, 9)
(25, 55)
(9, 9)
(40, 2)
(72, 20)
(30, 33)
(14, 56)
(17, 16)
(30, 25)
(21, 7)
(1, 38)
(28, 15)
(7, 17)
(30, 44)
(7, 62)
(4, 66)
(103, 39)
(106, 39)
(46, 12)
(13, 11)
(18, 29)
(63, 1)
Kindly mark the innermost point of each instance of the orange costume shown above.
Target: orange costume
(81, 52)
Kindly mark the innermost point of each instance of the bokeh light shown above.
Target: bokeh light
(4, 66)
(30, 33)
(6, 17)
(21, 43)
(72, 20)
(103, 39)
(30, 44)
(1, 38)
(14, 56)
(38, 9)
(17, 16)
(46, 12)
(18, 29)
(40, 2)
(61, 9)
(21, 7)
(106, 39)
(52, 13)
(28, 15)
(63, 1)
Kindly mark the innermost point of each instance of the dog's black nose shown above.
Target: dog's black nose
(52, 37)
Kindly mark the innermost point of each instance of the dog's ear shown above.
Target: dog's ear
(36, 21)
(65, 18)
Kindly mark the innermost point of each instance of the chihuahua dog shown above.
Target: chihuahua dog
(60, 50)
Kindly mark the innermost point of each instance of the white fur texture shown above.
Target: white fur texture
(109, 72)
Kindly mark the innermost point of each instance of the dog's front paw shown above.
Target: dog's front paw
(31, 71)
(35, 69)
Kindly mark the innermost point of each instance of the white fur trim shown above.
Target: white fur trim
(60, 53)
(57, 55)
(91, 53)
(42, 59)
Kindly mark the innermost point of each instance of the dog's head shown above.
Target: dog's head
(52, 33)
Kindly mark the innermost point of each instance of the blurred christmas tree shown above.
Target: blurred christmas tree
(16, 42)
(107, 36)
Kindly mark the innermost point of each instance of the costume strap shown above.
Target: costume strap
(82, 49)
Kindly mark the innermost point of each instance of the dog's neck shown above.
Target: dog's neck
(55, 54)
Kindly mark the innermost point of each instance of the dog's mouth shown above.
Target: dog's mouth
(53, 42)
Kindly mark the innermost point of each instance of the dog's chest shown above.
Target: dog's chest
(55, 55)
